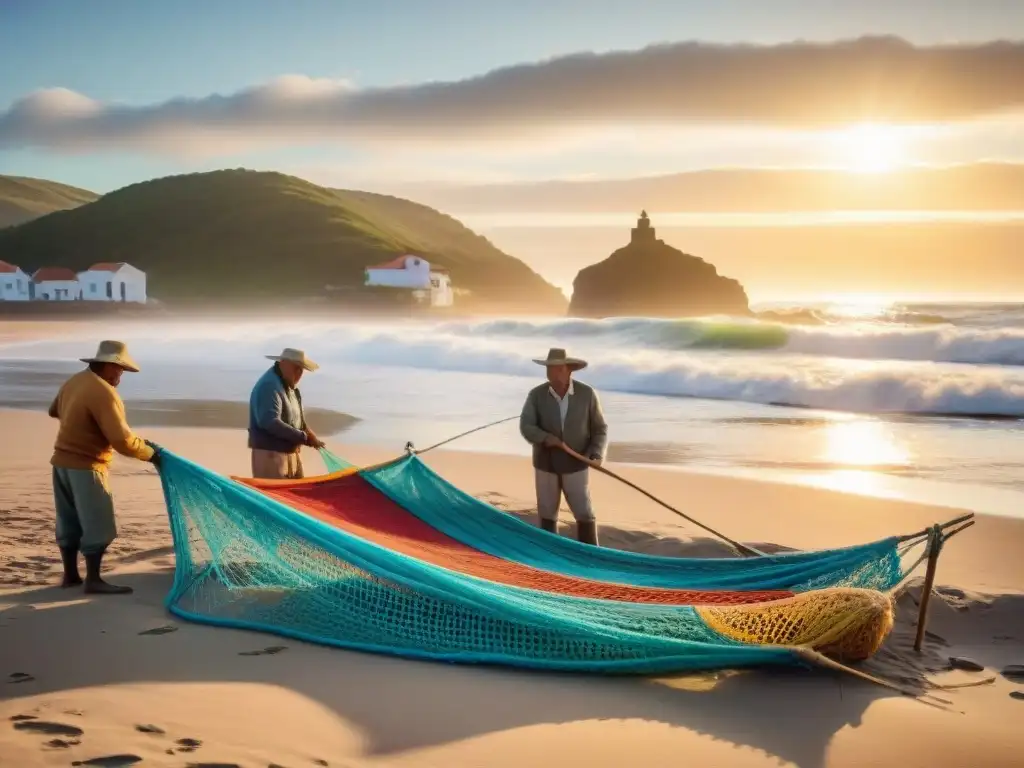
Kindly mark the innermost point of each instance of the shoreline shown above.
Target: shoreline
(149, 413)
(199, 414)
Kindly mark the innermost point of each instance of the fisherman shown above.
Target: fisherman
(92, 427)
(564, 413)
(277, 425)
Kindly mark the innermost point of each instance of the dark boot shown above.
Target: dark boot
(551, 526)
(587, 533)
(69, 557)
(94, 584)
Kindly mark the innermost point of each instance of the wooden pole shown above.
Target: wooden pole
(934, 545)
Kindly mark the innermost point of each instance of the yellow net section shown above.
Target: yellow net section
(844, 623)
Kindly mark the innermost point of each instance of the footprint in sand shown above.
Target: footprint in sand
(110, 761)
(154, 729)
(968, 665)
(22, 718)
(20, 677)
(1014, 672)
(159, 630)
(1019, 695)
(269, 650)
(213, 765)
(62, 743)
(188, 745)
(48, 728)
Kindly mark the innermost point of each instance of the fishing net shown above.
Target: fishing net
(415, 487)
(246, 559)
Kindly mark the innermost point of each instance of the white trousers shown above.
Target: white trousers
(575, 487)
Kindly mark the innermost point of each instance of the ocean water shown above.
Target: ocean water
(913, 401)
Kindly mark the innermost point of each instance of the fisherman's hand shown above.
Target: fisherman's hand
(156, 459)
(596, 460)
(312, 440)
(552, 442)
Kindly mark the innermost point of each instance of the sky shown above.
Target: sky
(346, 93)
(424, 99)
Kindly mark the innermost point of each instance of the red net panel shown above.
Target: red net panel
(352, 504)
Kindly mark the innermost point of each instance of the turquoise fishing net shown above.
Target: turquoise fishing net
(248, 561)
(333, 462)
(413, 485)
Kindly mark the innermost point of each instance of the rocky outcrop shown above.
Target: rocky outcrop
(648, 278)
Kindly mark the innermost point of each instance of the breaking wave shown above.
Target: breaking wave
(865, 368)
(864, 340)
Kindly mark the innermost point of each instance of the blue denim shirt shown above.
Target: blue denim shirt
(276, 421)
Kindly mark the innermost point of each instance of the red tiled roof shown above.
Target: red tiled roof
(46, 274)
(7, 268)
(396, 263)
(106, 266)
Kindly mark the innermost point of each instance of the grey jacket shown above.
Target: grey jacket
(586, 431)
(276, 421)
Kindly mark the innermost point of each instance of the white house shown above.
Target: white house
(415, 274)
(55, 284)
(15, 285)
(113, 281)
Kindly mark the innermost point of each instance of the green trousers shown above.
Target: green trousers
(85, 510)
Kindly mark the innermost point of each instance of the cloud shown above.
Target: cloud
(793, 85)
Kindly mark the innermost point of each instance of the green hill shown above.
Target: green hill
(23, 199)
(238, 234)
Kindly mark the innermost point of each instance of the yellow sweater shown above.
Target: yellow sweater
(92, 425)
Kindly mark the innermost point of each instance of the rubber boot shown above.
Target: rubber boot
(69, 557)
(586, 532)
(94, 584)
(551, 526)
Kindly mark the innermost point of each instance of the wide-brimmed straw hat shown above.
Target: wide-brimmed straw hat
(115, 352)
(296, 356)
(557, 356)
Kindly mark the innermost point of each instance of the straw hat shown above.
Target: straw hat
(558, 357)
(115, 352)
(296, 356)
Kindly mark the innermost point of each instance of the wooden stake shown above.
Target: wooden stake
(934, 545)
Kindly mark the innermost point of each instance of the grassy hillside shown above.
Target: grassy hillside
(246, 234)
(23, 199)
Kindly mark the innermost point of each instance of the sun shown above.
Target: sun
(870, 148)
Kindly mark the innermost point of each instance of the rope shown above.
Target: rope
(410, 449)
(741, 549)
(821, 660)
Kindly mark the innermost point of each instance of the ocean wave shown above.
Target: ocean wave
(854, 340)
(818, 378)
(863, 388)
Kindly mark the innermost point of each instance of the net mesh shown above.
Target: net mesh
(247, 560)
(333, 462)
(354, 505)
(415, 487)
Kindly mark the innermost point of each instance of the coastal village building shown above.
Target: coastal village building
(109, 281)
(55, 284)
(113, 282)
(15, 285)
(413, 273)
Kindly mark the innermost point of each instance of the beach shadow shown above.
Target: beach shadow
(634, 539)
(791, 715)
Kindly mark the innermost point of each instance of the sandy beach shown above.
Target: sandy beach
(119, 681)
